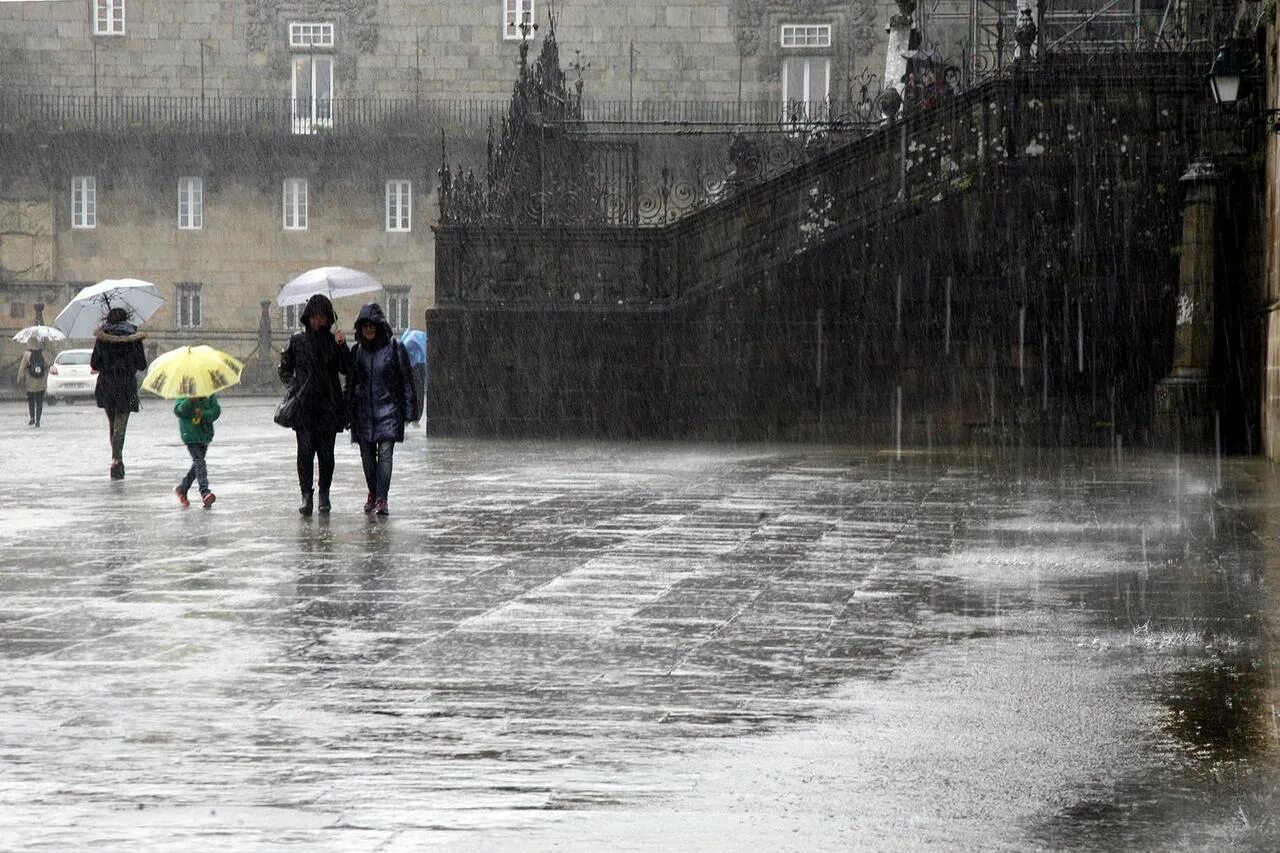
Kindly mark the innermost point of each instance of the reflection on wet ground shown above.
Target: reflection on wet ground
(642, 646)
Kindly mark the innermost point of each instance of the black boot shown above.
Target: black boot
(324, 501)
(305, 509)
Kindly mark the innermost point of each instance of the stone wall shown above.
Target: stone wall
(1271, 255)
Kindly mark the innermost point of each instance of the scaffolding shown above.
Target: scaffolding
(981, 31)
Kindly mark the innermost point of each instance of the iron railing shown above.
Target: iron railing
(215, 115)
(193, 114)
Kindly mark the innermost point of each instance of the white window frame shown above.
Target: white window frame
(289, 315)
(190, 203)
(188, 308)
(398, 305)
(399, 205)
(805, 35)
(514, 12)
(84, 202)
(814, 108)
(312, 111)
(294, 200)
(108, 17)
(309, 34)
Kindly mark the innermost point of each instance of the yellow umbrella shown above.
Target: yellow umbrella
(192, 372)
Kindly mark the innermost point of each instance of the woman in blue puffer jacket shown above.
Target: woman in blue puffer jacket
(381, 395)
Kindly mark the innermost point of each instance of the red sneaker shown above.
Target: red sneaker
(381, 507)
(209, 498)
(370, 503)
(182, 497)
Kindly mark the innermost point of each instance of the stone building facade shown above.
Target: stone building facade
(692, 49)
(219, 148)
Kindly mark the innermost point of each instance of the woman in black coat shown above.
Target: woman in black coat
(382, 398)
(117, 357)
(311, 366)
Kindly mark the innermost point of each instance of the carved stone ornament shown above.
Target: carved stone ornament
(357, 20)
(1025, 34)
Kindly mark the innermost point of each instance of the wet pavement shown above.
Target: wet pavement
(587, 646)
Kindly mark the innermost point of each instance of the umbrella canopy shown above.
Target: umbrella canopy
(333, 282)
(415, 343)
(85, 313)
(39, 333)
(192, 372)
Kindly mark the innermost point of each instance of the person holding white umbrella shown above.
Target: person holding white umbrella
(33, 377)
(33, 372)
(118, 356)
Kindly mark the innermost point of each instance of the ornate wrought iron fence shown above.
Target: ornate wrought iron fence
(182, 114)
(562, 173)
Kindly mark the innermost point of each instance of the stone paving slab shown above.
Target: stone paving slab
(632, 646)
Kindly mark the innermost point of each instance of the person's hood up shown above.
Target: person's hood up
(318, 304)
(372, 314)
(119, 333)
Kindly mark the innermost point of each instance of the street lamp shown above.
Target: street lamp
(1225, 75)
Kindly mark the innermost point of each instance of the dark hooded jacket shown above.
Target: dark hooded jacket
(118, 356)
(311, 365)
(380, 392)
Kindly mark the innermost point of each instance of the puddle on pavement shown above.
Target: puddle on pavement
(1219, 709)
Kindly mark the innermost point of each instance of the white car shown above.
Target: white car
(70, 377)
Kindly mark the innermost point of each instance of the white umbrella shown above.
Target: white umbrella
(333, 282)
(85, 313)
(39, 333)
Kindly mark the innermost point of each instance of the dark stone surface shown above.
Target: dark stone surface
(633, 645)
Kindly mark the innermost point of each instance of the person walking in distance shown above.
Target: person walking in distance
(382, 398)
(195, 424)
(118, 357)
(33, 377)
(312, 366)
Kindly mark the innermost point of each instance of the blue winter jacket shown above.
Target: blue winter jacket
(380, 389)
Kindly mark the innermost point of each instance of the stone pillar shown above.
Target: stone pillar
(265, 351)
(895, 55)
(39, 308)
(1185, 398)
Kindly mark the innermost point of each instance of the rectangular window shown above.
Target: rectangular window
(515, 13)
(289, 316)
(17, 310)
(84, 202)
(191, 203)
(397, 307)
(806, 35)
(805, 82)
(312, 93)
(108, 17)
(399, 205)
(308, 34)
(295, 204)
(188, 305)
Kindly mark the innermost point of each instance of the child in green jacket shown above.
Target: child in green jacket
(195, 422)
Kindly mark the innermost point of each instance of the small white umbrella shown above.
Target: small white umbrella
(333, 282)
(39, 333)
(85, 313)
